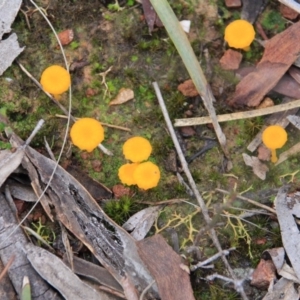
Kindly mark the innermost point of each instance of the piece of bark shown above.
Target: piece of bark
(54, 271)
(280, 53)
(287, 207)
(13, 245)
(287, 85)
(94, 272)
(295, 73)
(188, 88)
(164, 264)
(252, 9)
(264, 274)
(96, 189)
(287, 12)
(231, 60)
(233, 3)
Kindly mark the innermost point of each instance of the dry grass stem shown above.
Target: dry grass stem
(238, 115)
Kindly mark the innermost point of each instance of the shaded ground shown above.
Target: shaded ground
(107, 38)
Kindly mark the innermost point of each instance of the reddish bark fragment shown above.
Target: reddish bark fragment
(287, 12)
(264, 273)
(233, 3)
(165, 266)
(120, 190)
(188, 88)
(66, 36)
(231, 60)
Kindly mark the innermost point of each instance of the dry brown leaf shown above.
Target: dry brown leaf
(123, 96)
(264, 274)
(231, 60)
(188, 88)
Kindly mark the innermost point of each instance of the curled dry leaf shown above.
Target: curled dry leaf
(264, 274)
(123, 96)
(140, 223)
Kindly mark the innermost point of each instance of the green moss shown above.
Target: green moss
(273, 21)
(120, 210)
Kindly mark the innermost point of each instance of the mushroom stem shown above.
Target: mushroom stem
(273, 156)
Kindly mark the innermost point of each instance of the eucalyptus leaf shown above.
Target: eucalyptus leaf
(9, 48)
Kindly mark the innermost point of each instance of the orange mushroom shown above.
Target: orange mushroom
(274, 137)
(126, 173)
(55, 80)
(239, 34)
(146, 175)
(137, 149)
(87, 134)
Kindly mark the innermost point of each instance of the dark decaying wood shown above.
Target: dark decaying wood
(97, 190)
(20, 267)
(167, 269)
(280, 53)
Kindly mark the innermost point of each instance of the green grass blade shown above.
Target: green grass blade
(183, 46)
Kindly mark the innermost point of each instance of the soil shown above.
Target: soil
(113, 49)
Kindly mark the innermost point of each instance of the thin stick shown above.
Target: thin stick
(146, 289)
(192, 182)
(273, 211)
(9, 263)
(102, 123)
(238, 115)
(211, 259)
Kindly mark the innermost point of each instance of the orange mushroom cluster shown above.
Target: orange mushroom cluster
(144, 174)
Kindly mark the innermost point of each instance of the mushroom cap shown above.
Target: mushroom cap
(239, 34)
(87, 134)
(55, 80)
(137, 149)
(274, 137)
(126, 173)
(146, 175)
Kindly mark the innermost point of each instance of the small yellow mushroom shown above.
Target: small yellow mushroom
(55, 80)
(87, 134)
(137, 149)
(239, 34)
(274, 137)
(126, 173)
(146, 175)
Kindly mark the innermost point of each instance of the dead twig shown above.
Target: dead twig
(209, 260)
(146, 289)
(247, 200)
(102, 123)
(238, 115)
(9, 263)
(193, 185)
